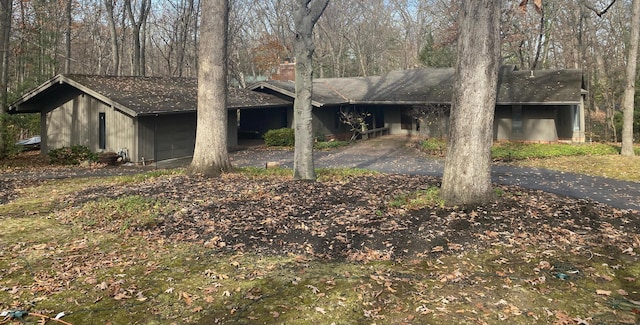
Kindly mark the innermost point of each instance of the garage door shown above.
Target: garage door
(175, 136)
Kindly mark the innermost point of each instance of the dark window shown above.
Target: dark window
(516, 122)
(102, 131)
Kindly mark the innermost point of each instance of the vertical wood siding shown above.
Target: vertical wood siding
(77, 123)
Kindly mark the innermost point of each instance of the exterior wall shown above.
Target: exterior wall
(502, 123)
(261, 120)
(400, 120)
(326, 122)
(392, 121)
(571, 123)
(537, 123)
(77, 123)
(174, 135)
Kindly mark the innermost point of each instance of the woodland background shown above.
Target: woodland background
(353, 38)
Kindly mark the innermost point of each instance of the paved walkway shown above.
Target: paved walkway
(392, 154)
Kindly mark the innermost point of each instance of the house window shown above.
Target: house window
(516, 119)
(102, 131)
(406, 120)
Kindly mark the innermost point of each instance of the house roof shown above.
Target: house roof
(435, 86)
(135, 96)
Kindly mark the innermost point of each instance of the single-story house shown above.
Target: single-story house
(540, 105)
(149, 118)
(154, 118)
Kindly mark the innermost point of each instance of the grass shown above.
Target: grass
(57, 260)
(419, 199)
(595, 159)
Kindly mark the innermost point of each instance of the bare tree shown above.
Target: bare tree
(67, 38)
(211, 157)
(115, 51)
(305, 17)
(138, 26)
(630, 81)
(467, 172)
(6, 8)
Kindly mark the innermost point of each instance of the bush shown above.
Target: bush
(434, 146)
(73, 155)
(280, 138)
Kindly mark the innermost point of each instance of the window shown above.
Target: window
(102, 131)
(516, 121)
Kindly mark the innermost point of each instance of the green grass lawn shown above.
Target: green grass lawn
(595, 159)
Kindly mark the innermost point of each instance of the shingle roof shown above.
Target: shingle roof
(142, 95)
(435, 85)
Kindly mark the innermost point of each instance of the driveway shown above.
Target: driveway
(390, 154)
(395, 154)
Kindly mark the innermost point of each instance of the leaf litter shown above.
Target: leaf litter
(245, 249)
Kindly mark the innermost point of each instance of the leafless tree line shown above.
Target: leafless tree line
(353, 38)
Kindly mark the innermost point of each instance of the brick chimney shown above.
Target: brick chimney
(286, 71)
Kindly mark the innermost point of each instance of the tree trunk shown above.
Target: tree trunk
(210, 157)
(67, 36)
(305, 17)
(467, 172)
(115, 54)
(136, 28)
(630, 80)
(6, 9)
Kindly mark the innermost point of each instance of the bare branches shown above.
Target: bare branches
(594, 9)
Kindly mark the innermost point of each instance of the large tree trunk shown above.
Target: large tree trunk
(467, 172)
(113, 34)
(211, 157)
(6, 8)
(630, 80)
(305, 17)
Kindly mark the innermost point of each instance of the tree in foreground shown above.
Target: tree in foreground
(630, 81)
(211, 157)
(467, 171)
(306, 15)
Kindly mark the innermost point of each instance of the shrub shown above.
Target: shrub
(434, 146)
(280, 137)
(73, 155)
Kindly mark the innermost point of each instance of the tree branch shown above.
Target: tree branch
(594, 9)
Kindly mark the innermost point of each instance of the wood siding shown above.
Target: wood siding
(175, 136)
(77, 123)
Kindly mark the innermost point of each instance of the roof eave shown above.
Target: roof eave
(264, 84)
(60, 79)
(115, 105)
